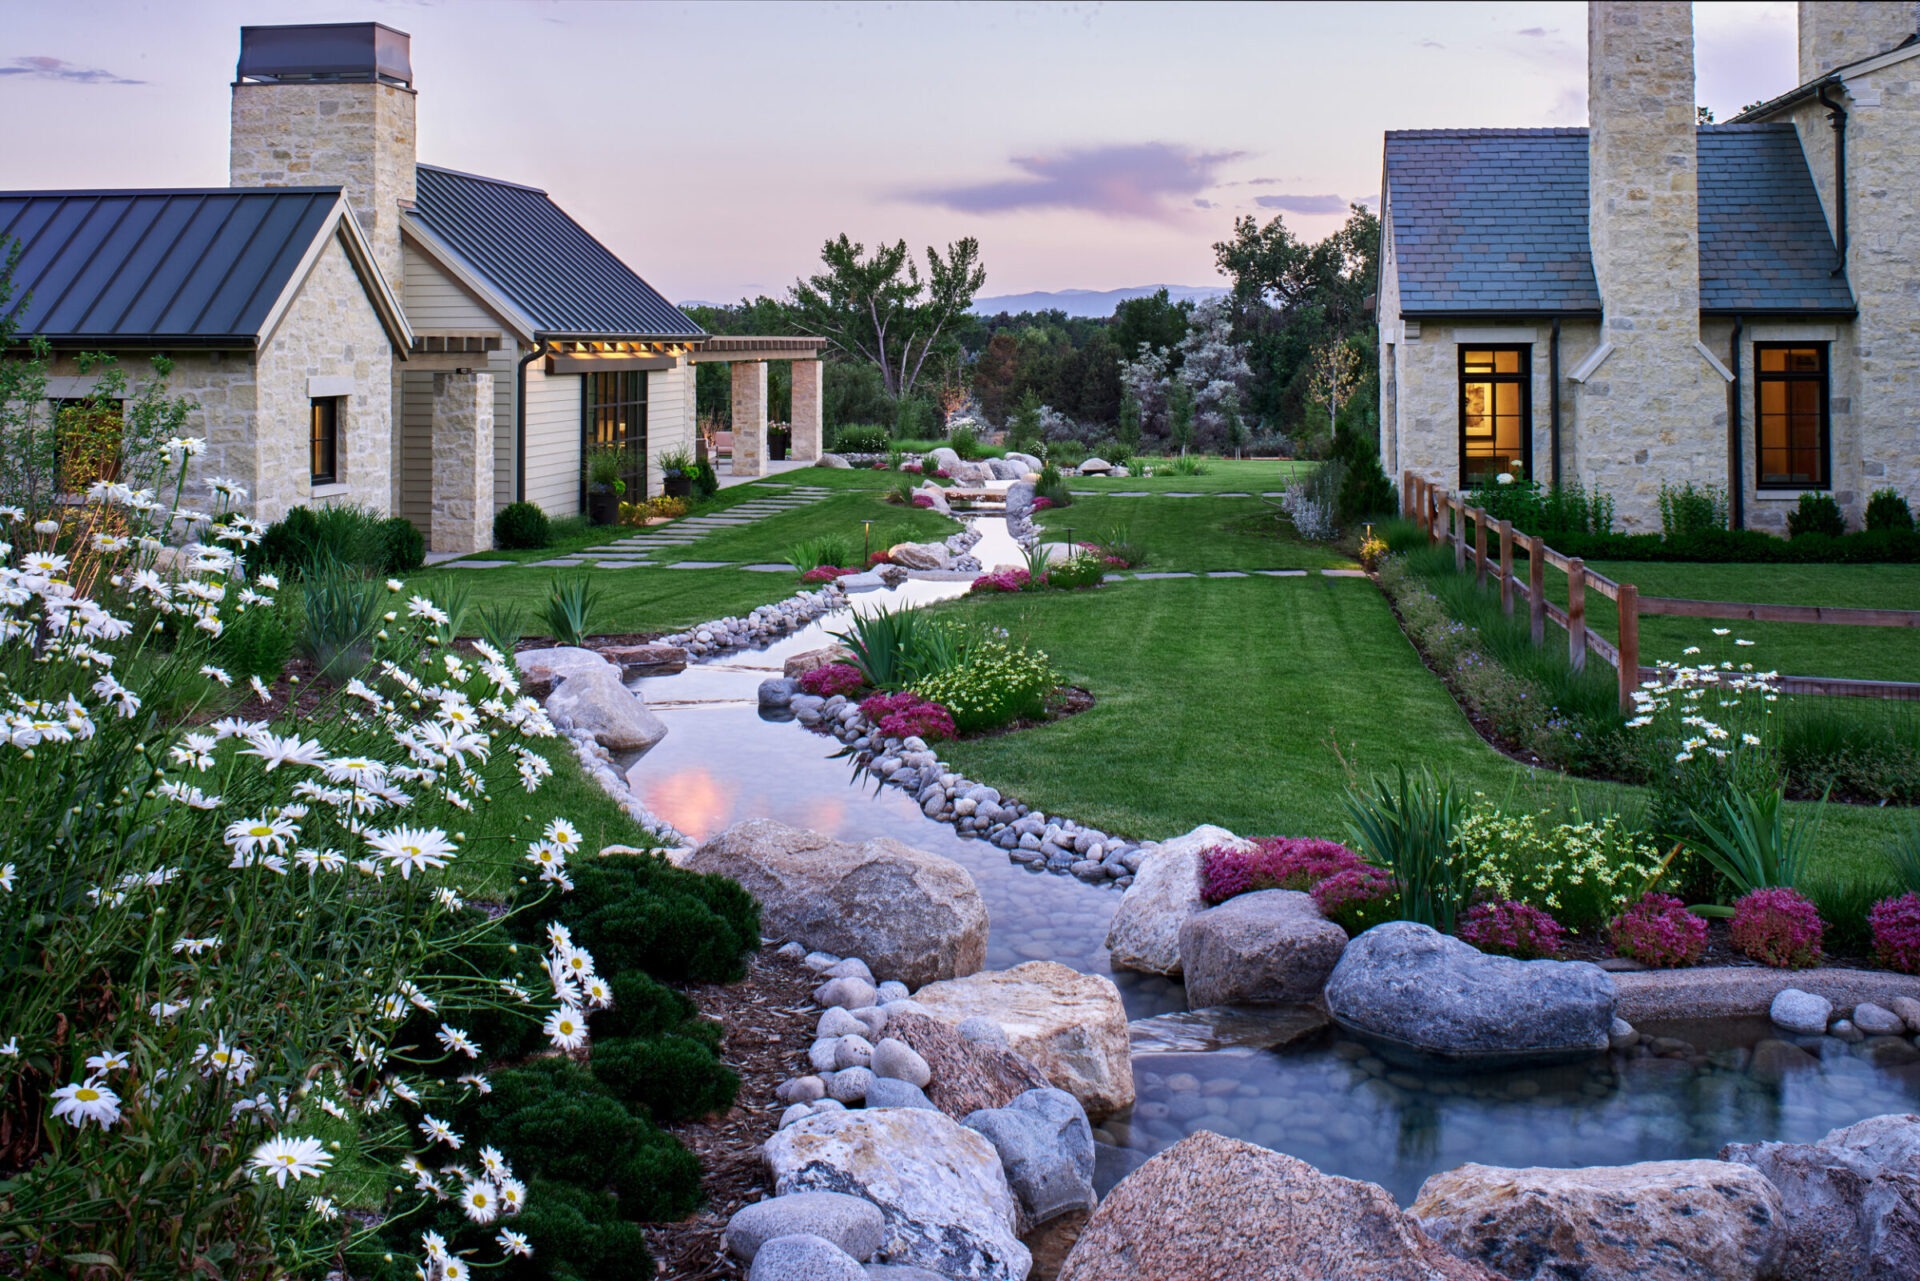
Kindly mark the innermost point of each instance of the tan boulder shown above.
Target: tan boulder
(1070, 1025)
(1655, 1221)
(966, 1076)
(800, 664)
(1145, 934)
(1224, 1210)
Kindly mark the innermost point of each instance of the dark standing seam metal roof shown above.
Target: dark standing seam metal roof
(1495, 221)
(541, 260)
(191, 268)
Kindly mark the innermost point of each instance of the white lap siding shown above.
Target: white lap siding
(435, 300)
(553, 441)
(670, 415)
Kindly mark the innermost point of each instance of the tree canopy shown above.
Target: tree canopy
(880, 308)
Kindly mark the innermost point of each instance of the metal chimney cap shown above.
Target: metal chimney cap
(325, 51)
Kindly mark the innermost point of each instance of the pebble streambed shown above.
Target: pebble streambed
(1683, 1092)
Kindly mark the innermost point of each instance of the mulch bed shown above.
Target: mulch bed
(769, 1018)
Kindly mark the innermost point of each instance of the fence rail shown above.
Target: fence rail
(1445, 517)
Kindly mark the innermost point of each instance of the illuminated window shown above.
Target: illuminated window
(615, 407)
(86, 443)
(1496, 412)
(323, 440)
(1791, 411)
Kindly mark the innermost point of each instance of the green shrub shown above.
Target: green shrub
(643, 913)
(995, 684)
(1066, 453)
(577, 1234)
(1886, 509)
(406, 548)
(306, 541)
(861, 438)
(1184, 465)
(554, 1120)
(1052, 486)
(1584, 873)
(964, 442)
(259, 641)
(521, 527)
(1082, 569)
(1364, 488)
(1689, 509)
(1816, 514)
(659, 1182)
(706, 481)
(673, 1077)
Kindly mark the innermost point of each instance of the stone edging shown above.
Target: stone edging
(1730, 991)
(597, 761)
(766, 624)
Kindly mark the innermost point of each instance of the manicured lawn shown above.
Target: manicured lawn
(648, 599)
(1196, 534)
(766, 541)
(1224, 475)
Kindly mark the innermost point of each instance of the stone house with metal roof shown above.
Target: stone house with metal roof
(357, 326)
(1651, 300)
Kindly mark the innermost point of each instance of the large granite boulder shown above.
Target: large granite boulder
(1095, 466)
(911, 915)
(1420, 995)
(1656, 1221)
(936, 498)
(919, 555)
(941, 459)
(1005, 469)
(594, 701)
(972, 475)
(834, 461)
(1046, 1149)
(1070, 1025)
(967, 1075)
(1019, 499)
(1145, 934)
(1268, 948)
(800, 664)
(1852, 1199)
(938, 1185)
(1028, 462)
(653, 659)
(1223, 1210)
(804, 1256)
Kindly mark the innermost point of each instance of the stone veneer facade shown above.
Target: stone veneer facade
(807, 411)
(462, 519)
(749, 418)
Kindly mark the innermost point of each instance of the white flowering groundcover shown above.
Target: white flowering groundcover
(222, 940)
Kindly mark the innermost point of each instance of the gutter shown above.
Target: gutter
(1838, 115)
(1736, 435)
(1553, 401)
(520, 419)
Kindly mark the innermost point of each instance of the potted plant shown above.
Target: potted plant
(779, 440)
(676, 473)
(606, 483)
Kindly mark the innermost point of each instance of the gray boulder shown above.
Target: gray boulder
(1145, 934)
(938, 497)
(890, 1092)
(1269, 948)
(833, 460)
(1005, 469)
(941, 459)
(776, 692)
(1419, 994)
(1852, 1199)
(1027, 461)
(1878, 1020)
(1019, 498)
(852, 1224)
(593, 701)
(895, 1058)
(919, 555)
(900, 1272)
(804, 1257)
(971, 474)
(911, 915)
(1801, 1012)
(1046, 1149)
(1095, 466)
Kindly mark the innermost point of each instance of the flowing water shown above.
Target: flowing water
(1324, 1099)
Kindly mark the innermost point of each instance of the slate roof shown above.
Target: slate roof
(1494, 221)
(542, 261)
(143, 268)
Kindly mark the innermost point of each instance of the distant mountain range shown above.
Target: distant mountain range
(1090, 302)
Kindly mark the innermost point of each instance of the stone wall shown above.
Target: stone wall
(356, 136)
(462, 519)
(1836, 32)
(807, 409)
(749, 419)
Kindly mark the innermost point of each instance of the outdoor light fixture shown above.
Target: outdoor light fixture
(866, 540)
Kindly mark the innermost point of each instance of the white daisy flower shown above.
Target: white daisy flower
(108, 1060)
(479, 1201)
(281, 1159)
(514, 1243)
(412, 848)
(566, 1028)
(84, 1101)
(251, 835)
(438, 1131)
(457, 1041)
(513, 1194)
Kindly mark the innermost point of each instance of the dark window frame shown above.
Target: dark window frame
(58, 407)
(1823, 379)
(602, 397)
(1523, 379)
(323, 439)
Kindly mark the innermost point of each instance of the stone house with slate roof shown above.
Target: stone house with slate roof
(354, 326)
(1651, 300)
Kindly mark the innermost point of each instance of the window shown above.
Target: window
(1496, 412)
(86, 442)
(323, 440)
(1791, 411)
(616, 418)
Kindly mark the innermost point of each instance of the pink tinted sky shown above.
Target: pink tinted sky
(716, 145)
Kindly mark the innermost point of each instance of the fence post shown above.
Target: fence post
(1480, 546)
(1577, 614)
(1459, 521)
(1434, 495)
(1506, 567)
(1629, 603)
(1537, 588)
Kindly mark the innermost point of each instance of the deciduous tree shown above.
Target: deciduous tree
(880, 308)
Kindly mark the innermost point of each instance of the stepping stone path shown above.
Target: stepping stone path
(633, 551)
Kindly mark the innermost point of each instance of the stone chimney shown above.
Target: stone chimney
(1834, 33)
(330, 105)
(1654, 409)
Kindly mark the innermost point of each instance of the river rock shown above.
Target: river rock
(776, 691)
(894, 1058)
(938, 1185)
(918, 555)
(1145, 934)
(804, 1257)
(1852, 1199)
(593, 701)
(1909, 1011)
(911, 915)
(850, 1222)
(1418, 993)
(1656, 1221)
(967, 1075)
(1213, 1207)
(1801, 1012)
(889, 1092)
(1877, 1020)
(1070, 1025)
(800, 664)
(1267, 948)
(1046, 1149)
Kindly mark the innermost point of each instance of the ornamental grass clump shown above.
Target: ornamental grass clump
(1408, 824)
(1895, 923)
(1659, 931)
(834, 678)
(1509, 928)
(1778, 927)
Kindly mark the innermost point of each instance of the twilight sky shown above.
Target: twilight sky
(716, 145)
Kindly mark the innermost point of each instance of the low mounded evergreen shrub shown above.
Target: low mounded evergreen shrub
(672, 1077)
(577, 1234)
(1659, 931)
(342, 537)
(1887, 510)
(643, 913)
(521, 527)
(644, 1006)
(1749, 546)
(1816, 514)
(1778, 927)
(406, 547)
(1896, 932)
(659, 1182)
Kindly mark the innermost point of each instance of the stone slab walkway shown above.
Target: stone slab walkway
(634, 550)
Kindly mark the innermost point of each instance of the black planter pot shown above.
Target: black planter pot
(603, 509)
(677, 486)
(777, 448)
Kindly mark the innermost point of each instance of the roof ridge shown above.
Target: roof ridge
(480, 177)
(1474, 132)
(72, 193)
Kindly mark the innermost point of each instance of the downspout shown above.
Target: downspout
(520, 420)
(1838, 115)
(1736, 434)
(1553, 401)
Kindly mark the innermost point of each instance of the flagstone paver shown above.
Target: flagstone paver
(698, 564)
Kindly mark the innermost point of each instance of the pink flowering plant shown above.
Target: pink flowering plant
(1272, 863)
(834, 678)
(1778, 927)
(907, 715)
(1004, 580)
(826, 573)
(1895, 923)
(1509, 928)
(1357, 899)
(1659, 931)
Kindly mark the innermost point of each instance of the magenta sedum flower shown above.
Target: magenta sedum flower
(1778, 927)
(1896, 932)
(1511, 928)
(1659, 931)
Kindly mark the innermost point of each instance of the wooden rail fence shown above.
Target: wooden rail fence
(1445, 517)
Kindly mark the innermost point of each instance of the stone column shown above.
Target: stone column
(808, 405)
(749, 417)
(462, 463)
